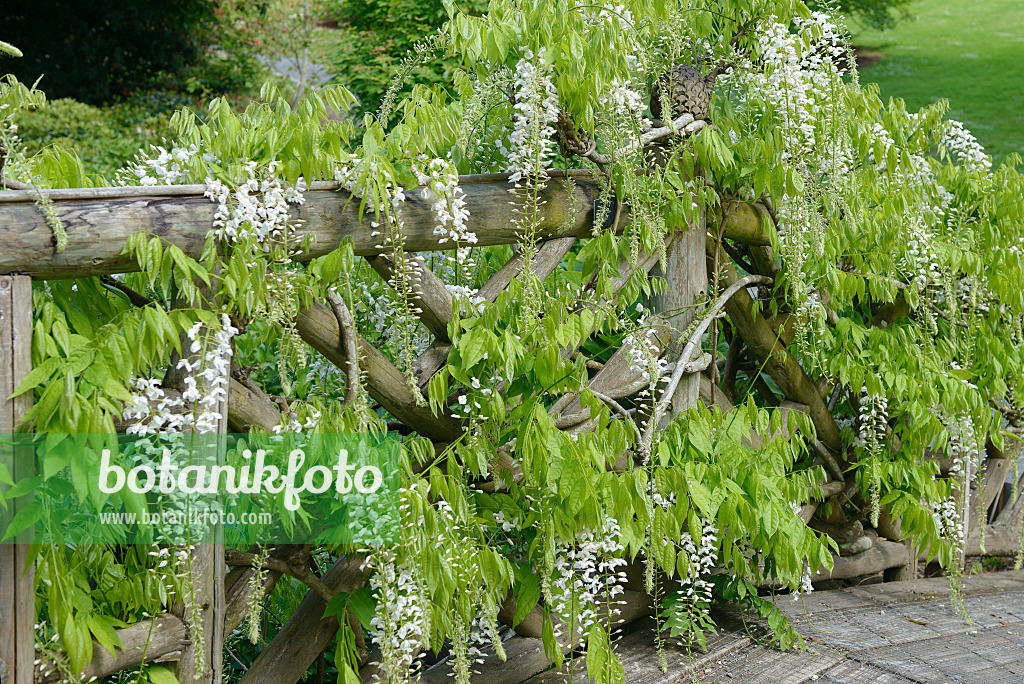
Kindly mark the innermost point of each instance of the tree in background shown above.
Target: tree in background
(878, 14)
(378, 36)
(95, 51)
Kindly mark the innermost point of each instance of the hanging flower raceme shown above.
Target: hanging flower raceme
(440, 183)
(587, 575)
(257, 209)
(152, 409)
(871, 435)
(536, 111)
(398, 625)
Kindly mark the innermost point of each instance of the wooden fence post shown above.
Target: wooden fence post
(208, 564)
(686, 278)
(17, 598)
(209, 570)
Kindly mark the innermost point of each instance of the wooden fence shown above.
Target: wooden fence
(98, 222)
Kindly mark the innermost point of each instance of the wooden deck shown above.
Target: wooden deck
(892, 633)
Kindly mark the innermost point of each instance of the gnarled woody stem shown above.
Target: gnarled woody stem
(692, 345)
(347, 325)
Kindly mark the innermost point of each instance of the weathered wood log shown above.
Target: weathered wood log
(619, 370)
(144, 642)
(318, 326)
(549, 256)
(164, 637)
(686, 279)
(429, 299)
(249, 406)
(530, 626)
(1000, 541)
(881, 556)
(746, 222)
(99, 220)
(1003, 536)
(984, 495)
(17, 597)
(763, 345)
(303, 638)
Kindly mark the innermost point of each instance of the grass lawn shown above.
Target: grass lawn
(970, 52)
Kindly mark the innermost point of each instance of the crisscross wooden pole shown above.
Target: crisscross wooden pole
(17, 598)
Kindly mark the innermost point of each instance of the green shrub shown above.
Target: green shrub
(377, 35)
(878, 14)
(104, 137)
(95, 51)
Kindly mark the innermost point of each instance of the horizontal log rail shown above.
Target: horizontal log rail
(98, 221)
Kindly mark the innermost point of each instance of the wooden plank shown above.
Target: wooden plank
(98, 224)
(686, 278)
(318, 326)
(98, 221)
(201, 660)
(208, 572)
(17, 598)
(525, 658)
(982, 497)
(307, 633)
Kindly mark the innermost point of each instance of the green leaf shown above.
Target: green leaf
(104, 632)
(74, 635)
(24, 518)
(158, 674)
(527, 592)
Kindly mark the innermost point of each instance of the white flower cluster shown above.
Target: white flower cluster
(920, 259)
(873, 423)
(536, 109)
(161, 166)
(152, 410)
(871, 433)
(398, 624)
(965, 148)
(257, 209)
(797, 75)
(506, 525)
(806, 587)
(947, 521)
(622, 119)
(694, 591)
(799, 72)
(440, 183)
(588, 573)
(642, 350)
(963, 448)
(466, 406)
(965, 453)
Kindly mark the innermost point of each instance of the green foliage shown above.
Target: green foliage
(966, 52)
(894, 221)
(105, 138)
(93, 52)
(376, 38)
(878, 14)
